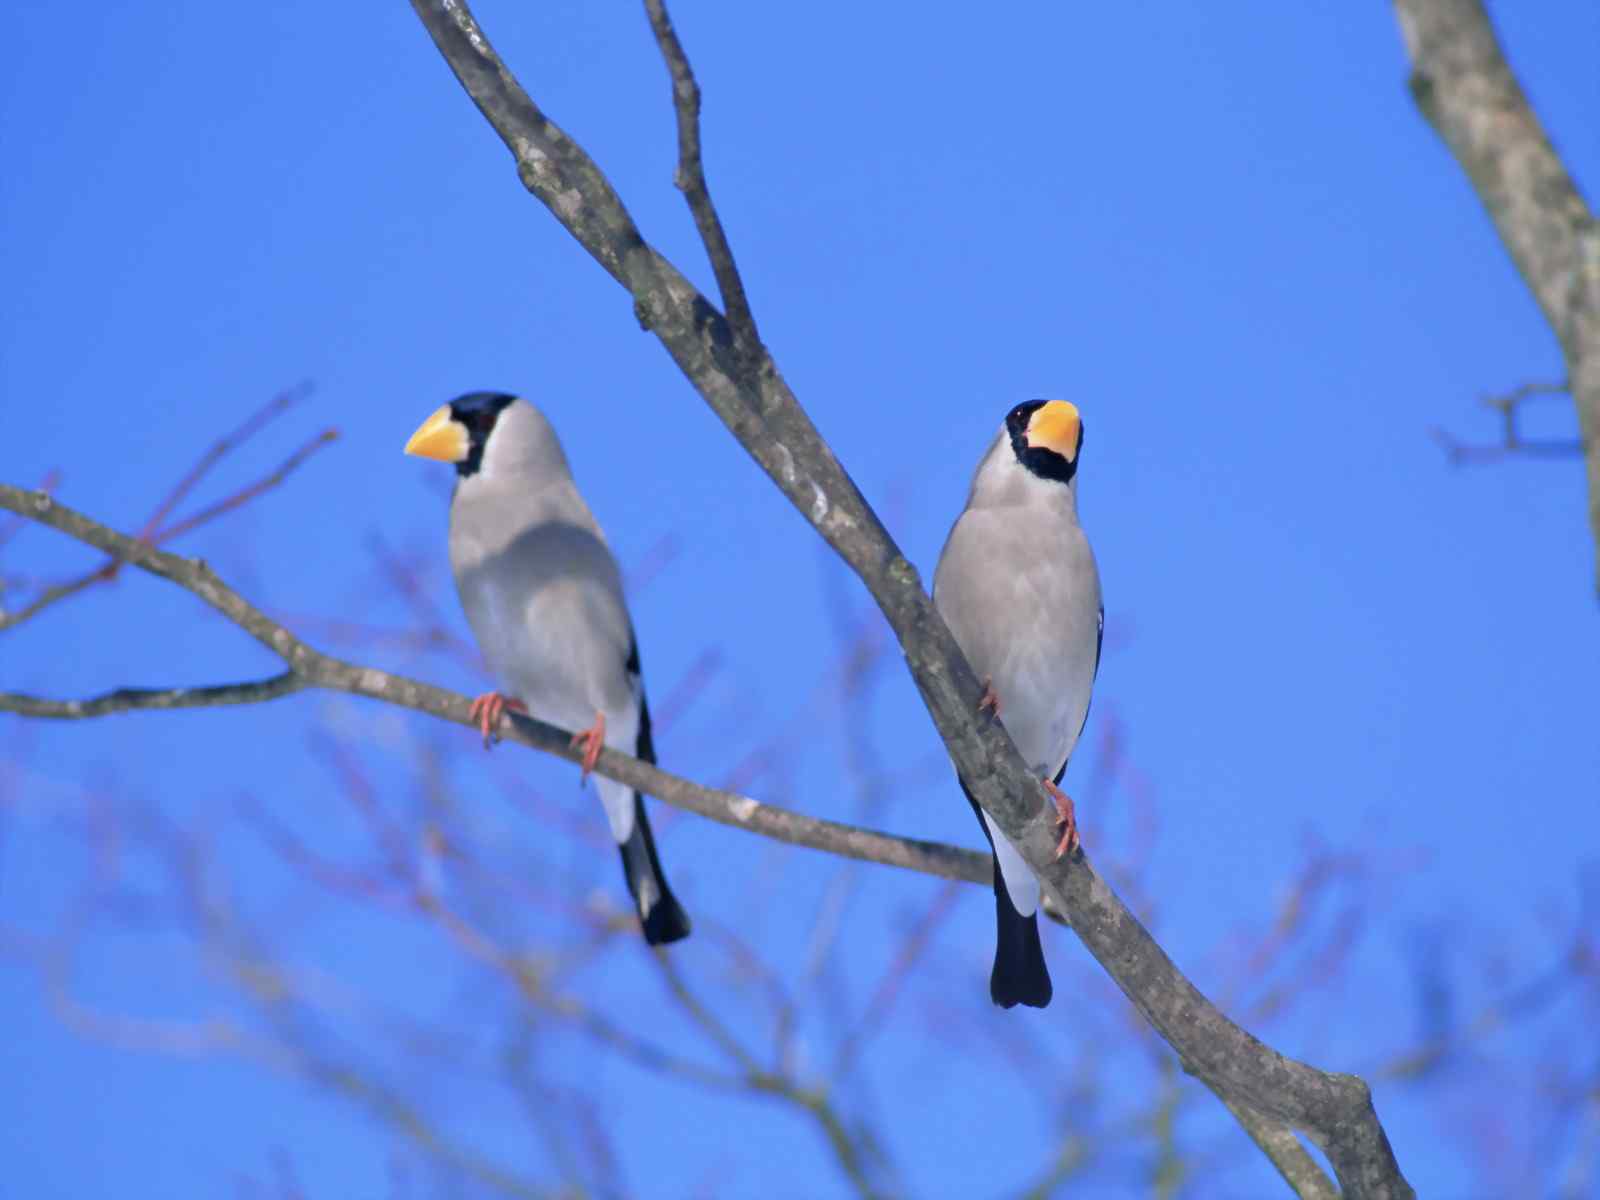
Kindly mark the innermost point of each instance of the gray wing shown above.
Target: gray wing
(1099, 645)
(549, 615)
(978, 590)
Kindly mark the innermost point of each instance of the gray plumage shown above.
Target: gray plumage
(1018, 586)
(543, 595)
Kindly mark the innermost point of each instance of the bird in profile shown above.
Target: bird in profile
(1018, 587)
(543, 595)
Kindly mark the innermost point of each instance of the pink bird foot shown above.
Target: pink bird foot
(1066, 819)
(487, 710)
(591, 739)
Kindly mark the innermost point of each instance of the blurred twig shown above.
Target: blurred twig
(894, 979)
(252, 425)
(1512, 443)
(154, 533)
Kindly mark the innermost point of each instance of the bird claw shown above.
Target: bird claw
(488, 709)
(591, 739)
(1067, 817)
(990, 703)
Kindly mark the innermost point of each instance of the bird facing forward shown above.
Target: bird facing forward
(543, 596)
(1018, 587)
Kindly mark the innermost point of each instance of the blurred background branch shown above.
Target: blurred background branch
(1513, 442)
(156, 531)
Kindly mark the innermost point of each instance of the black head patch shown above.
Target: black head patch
(478, 411)
(1043, 462)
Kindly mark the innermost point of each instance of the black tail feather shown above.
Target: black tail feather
(660, 913)
(1019, 975)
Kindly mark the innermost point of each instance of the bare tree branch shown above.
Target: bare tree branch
(813, 1101)
(690, 178)
(154, 699)
(748, 393)
(245, 494)
(1464, 87)
(1299, 1170)
(11, 526)
(252, 425)
(1511, 444)
(402, 1114)
(157, 535)
(309, 668)
(53, 594)
(888, 989)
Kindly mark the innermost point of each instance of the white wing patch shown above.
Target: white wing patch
(1022, 885)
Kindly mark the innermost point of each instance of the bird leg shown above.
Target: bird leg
(991, 700)
(1066, 819)
(487, 710)
(591, 739)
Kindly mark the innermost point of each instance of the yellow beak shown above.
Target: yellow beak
(1055, 427)
(441, 437)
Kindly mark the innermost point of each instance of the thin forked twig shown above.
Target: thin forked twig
(155, 535)
(252, 425)
(690, 177)
(1511, 444)
(249, 492)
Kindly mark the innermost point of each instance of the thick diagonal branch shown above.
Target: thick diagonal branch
(1466, 90)
(749, 394)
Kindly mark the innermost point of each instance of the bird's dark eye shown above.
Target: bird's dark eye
(478, 421)
(1017, 418)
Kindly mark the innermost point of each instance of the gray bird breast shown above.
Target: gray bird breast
(1023, 602)
(546, 609)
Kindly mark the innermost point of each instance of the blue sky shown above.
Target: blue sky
(1226, 235)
